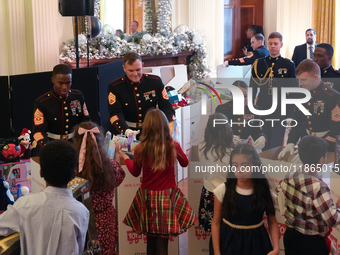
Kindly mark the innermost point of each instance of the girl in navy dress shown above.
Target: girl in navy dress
(237, 227)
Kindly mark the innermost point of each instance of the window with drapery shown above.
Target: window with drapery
(133, 11)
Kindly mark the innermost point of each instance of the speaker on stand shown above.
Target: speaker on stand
(76, 8)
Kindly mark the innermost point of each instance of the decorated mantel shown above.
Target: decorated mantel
(160, 47)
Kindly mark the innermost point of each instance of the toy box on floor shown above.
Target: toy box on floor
(16, 173)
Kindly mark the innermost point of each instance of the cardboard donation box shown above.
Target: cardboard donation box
(16, 173)
(277, 170)
(234, 71)
(38, 183)
(172, 75)
(198, 239)
(81, 191)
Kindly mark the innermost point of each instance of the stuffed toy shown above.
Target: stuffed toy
(25, 144)
(6, 198)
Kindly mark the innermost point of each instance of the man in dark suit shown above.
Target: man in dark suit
(306, 50)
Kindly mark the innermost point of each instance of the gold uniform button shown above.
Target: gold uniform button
(122, 79)
(67, 120)
(55, 118)
(310, 129)
(137, 95)
(118, 126)
(77, 114)
(309, 122)
(150, 100)
(140, 120)
(66, 126)
(140, 108)
(66, 132)
(140, 115)
(146, 75)
(135, 88)
(239, 131)
(66, 114)
(308, 117)
(126, 103)
(48, 95)
(325, 88)
(65, 108)
(239, 119)
(60, 97)
(318, 113)
(309, 103)
(64, 102)
(139, 101)
(239, 125)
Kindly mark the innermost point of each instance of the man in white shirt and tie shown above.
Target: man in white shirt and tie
(306, 50)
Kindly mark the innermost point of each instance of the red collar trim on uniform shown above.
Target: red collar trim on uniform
(135, 84)
(57, 95)
(330, 68)
(318, 88)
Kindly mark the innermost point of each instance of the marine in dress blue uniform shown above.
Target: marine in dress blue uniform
(331, 77)
(55, 116)
(129, 102)
(268, 73)
(324, 122)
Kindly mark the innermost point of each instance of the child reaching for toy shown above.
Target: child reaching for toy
(159, 209)
(216, 149)
(240, 203)
(104, 174)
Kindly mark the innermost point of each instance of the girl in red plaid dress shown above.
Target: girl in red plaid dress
(104, 174)
(159, 209)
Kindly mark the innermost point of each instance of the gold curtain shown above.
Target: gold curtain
(324, 21)
(336, 57)
(133, 11)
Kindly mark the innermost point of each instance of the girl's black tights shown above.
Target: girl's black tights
(157, 245)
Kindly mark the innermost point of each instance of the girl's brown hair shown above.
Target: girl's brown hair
(100, 177)
(157, 145)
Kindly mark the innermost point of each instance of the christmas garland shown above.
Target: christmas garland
(143, 43)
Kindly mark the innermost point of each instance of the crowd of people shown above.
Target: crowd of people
(232, 206)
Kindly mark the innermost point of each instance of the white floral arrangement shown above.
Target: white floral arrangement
(108, 46)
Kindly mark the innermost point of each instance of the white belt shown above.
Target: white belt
(134, 124)
(319, 134)
(58, 137)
